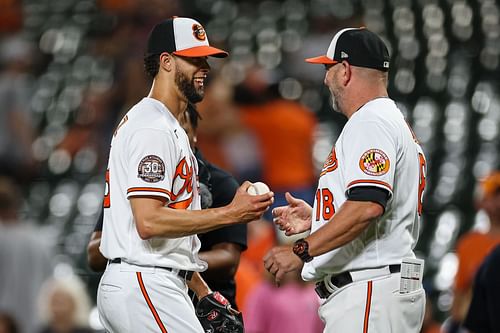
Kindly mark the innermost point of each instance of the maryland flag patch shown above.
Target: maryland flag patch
(374, 162)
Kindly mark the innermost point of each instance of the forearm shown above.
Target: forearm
(222, 259)
(96, 261)
(347, 224)
(199, 286)
(168, 222)
(153, 219)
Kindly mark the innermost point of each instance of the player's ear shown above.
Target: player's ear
(166, 61)
(347, 73)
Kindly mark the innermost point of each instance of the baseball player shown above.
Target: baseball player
(365, 219)
(152, 203)
(220, 248)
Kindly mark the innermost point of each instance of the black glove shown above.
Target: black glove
(216, 315)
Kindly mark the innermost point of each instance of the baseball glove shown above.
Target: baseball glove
(216, 315)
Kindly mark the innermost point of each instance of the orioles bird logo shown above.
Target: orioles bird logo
(199, 32)
(330, 163)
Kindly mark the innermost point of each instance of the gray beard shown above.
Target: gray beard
(335, 103)
(187, 88)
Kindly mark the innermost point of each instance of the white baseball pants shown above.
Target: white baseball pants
(134, 299)
(374, 306)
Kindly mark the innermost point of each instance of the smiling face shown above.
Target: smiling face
(190, 77)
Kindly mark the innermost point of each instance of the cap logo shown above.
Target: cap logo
(343, 55)
(199, 32)
(386, 64)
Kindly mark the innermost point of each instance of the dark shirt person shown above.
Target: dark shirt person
(221, 248)
(484, 312)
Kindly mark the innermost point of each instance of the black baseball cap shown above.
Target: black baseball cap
(181, 36)
(359, 47)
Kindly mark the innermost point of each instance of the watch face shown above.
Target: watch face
(299, 248)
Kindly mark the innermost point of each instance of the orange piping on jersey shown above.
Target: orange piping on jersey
(150, 304)
(327, 170)
(331, 163)
(148, 189)
(122, 122)
(368, 306)
(181, 204)
(371, 181)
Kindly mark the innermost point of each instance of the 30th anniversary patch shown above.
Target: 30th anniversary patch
(151, 169)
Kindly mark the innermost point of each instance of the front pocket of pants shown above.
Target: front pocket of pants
(110, 288)
(412, 307)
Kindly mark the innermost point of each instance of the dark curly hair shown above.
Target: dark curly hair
(152, 65)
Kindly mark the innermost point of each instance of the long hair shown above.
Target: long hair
(73, 286)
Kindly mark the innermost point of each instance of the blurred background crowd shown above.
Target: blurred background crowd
(69, 69)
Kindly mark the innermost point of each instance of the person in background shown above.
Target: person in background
(484, 311)
(220, 248)
(16, 129)
(284, 130)
(261, 238)
(430, 325)
(473, 247)
(64, 306)
(25, 260)
(291, 307)
(8, 324)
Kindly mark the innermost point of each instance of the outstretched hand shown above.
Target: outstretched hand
(293, 218)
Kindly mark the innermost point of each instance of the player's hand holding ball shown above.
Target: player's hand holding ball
(258, 188)
(251, 201)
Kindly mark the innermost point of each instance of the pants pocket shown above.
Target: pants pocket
(411, 309)
(109, 288)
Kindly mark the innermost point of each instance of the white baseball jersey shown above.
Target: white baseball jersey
(376, 148)
(150, 156)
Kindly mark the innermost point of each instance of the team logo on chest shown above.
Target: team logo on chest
(330, 163)
(151, 169)
(183, 179)
(374, 162)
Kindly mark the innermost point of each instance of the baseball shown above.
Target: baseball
(258, 188)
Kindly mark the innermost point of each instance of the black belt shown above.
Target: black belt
(183, 274)
(343, 279)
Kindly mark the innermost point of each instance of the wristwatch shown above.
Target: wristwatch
(301, 249)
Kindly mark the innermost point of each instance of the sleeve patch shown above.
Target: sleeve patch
(374, 162)
(151, 169)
